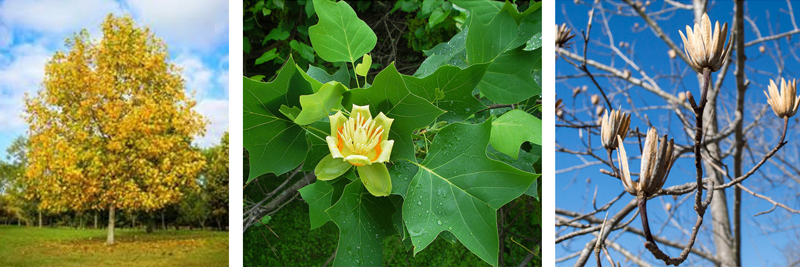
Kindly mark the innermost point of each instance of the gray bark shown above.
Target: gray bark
(110, 240)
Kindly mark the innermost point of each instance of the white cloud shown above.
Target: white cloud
(216, 111)
(23, 74)
(55, 16)
(196, 74)
(195, 24)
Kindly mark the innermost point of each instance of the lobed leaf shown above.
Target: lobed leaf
(459, 189)
(340, 36)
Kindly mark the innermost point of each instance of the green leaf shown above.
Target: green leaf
(459, 189)
(290, 113)
(407, 6)
(524, 162)
(318, 105)
(397, 217)
(266, 11)
(267, 56)
(305, 51)
(276, 34)
(510, 77)
(486, 41)
(340, 36)
(437, 16)
(530, 31)
(456, 85)
(316, 133)
(516, 15)
(364, 221)
(279, 3)
(310, 9)
(512, 129)
(275, 143)
(341, 75)
(428, 6)
(264, 220)
(401, 172)
(484, 10)
(318, 196)
(246, 43)
(533, 191)
(389, 94)
(257, 78)
(530, 27)
(452, 53)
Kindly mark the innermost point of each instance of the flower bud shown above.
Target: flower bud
(614, 123)
(761, 49)
(599, 111)
(595, 99)
(672, 54)
(783, 102)
(655, 165)
(706, 49)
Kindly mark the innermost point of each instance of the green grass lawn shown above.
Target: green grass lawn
(30, 246)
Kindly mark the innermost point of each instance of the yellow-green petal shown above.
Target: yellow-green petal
(358, 160)
(332, 147)
(337, 120)
(386, 151)
(386, 123)
(376, 179)
(329, 168)
(363, 67)
(363, 110)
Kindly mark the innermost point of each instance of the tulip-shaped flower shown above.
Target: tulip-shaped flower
(706, 49)
(656, 164)
(783, 102)
(612, 124)
(359, 141)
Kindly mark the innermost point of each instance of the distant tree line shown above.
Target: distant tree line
(203, 207)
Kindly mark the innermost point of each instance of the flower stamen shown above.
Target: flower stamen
(361, 135)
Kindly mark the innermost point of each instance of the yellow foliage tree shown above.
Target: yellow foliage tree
(112, 126)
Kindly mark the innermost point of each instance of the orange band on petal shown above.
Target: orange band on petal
(340, 142)
(378, 151)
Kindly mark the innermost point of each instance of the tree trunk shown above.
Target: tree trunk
(151, 223)
(163, 223)
(110, 240)
(95, 220)
(40, 218)
(720, 219)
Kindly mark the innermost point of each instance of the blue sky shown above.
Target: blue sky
(196, 33)
(764, 236)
